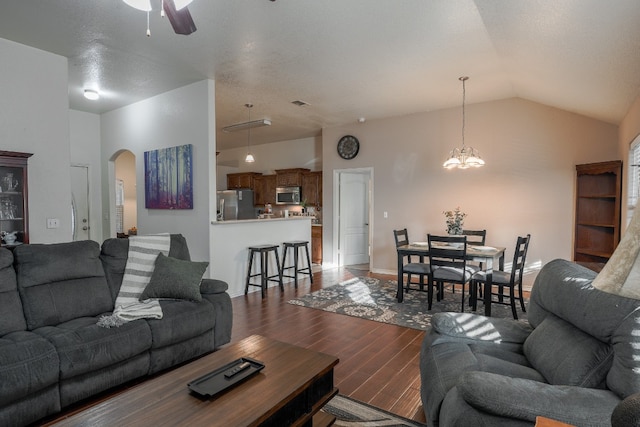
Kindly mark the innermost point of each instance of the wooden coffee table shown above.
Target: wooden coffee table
(293, 386)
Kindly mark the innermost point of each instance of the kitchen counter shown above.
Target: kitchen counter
(231, 239)
(246, 221)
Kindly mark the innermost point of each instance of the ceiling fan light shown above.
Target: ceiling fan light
(144, 5)
(180, 4)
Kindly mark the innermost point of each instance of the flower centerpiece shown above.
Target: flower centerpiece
(455, 220)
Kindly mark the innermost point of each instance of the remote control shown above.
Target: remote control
(236, 369)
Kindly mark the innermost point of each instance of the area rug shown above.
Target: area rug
(375, 299)
(351, 413)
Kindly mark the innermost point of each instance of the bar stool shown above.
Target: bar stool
(263, 251)
(296, 245)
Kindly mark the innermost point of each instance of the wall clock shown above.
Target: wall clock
(348, 147)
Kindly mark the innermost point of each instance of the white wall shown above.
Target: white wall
(34, 118)
(181, 116)
(527, 185)
(85, 151)
(296, 153)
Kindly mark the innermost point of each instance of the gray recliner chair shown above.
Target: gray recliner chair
(575, 361)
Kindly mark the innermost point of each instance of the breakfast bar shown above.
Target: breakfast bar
(230, 240)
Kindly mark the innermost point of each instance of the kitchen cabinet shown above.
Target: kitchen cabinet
(597, 221)
(312, 188)
(14, 199)
(290, 177)
(241, 180)
(264, 190)
(316, 244)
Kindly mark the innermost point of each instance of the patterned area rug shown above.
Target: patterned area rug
(351, 413)
(374, 299)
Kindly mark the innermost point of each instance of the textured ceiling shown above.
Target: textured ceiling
(345, 58)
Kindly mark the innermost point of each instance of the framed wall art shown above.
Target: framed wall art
(168, 178)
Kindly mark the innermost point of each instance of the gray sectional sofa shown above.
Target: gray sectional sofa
(574, 362)
(52, 353)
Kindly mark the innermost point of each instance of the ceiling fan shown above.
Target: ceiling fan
(176, 10)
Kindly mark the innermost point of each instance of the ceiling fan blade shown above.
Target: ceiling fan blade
(181, 20)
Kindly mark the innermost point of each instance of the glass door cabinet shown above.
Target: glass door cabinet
(14, 210)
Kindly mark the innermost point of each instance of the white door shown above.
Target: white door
(354, 218)
(80, 202)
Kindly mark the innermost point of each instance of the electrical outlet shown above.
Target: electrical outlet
(53, 223)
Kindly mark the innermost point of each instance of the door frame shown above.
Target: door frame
(337, 253)
(89, 195)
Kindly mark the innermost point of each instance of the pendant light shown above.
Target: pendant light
(249, 158)
(464, 157)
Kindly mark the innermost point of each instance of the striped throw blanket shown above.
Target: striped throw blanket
(143, 251)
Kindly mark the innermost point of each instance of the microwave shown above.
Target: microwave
(287, 195)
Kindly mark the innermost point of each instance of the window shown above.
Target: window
(633, 184)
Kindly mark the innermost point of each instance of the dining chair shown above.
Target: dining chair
(474, 238)
(420, 269)
(503, 279)
(447, 257)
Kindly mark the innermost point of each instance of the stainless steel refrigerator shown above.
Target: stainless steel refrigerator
(235, 204)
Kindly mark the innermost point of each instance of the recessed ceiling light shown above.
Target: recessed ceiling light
(91, 94)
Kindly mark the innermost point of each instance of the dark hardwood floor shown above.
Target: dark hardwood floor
(379, 363)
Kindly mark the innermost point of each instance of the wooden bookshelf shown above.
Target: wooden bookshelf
(598, 201)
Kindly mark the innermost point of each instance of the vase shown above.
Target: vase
(10, 238)
(456, 245)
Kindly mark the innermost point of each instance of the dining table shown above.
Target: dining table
(483, 254)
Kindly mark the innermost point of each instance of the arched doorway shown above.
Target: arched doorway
(125, 200)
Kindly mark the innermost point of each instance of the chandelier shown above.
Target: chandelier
(463, 157)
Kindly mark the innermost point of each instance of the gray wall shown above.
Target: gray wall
(181, 116)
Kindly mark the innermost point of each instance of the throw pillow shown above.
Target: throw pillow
(565, 355)
(175, 279)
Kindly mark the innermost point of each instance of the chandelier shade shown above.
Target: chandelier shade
(464, 157)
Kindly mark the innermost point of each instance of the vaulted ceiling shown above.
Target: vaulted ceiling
(346, 58)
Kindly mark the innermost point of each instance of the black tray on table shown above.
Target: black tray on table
(215, 382)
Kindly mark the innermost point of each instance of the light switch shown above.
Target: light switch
(386, 214)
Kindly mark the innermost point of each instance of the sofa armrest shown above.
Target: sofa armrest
(525, 399)
(213, 286)
(473, 327)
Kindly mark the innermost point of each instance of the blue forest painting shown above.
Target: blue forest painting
(168, 178)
